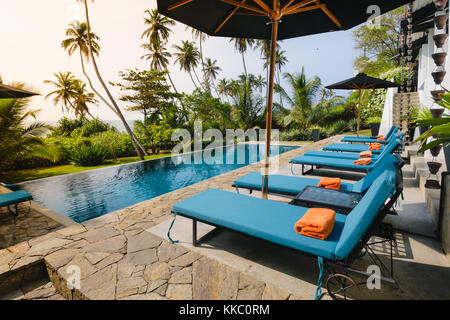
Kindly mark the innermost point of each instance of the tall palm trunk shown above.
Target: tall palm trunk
(136, 144)
(83, 68)
(279, 85)
(245, 67)
(198, 79)
(190, 74)
(176, 91)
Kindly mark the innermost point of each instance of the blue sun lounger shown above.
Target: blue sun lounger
(356, 148)
(291, 186)
(14, 198)
(274, 222)
(392, 130)
(341, 164)
(389, 137)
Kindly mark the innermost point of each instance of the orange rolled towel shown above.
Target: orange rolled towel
(363, 161)
(316, 223)
(365, 154)
(330, 183)
(381, 139)
(374, 146)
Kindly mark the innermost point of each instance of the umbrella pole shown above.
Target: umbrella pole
(359, 112)
(273, 50)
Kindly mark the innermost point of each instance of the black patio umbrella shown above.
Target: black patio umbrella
(360, 82)
(274, 20)
(8, 92)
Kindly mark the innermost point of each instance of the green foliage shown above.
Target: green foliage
(379, 42)
(146, 91)
(440, 128)
(91, 127)
(20, 141)
(155, 135)
(66, 126)
(87, 156)
(116, 144)
(210, 110)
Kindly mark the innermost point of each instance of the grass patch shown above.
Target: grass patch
(366, 132)
(39, 173)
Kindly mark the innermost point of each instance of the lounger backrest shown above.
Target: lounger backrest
(391, 131)
(389, 162)
(387, 150)
(361, 217)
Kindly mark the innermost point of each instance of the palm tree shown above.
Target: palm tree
(223, 88)
(140, 150)
(246, 106)
(158, 57)
(187, 57)
(211, 70)
(65, 90)
(242, 45)
(158, 30)
(20, 139)
(260, 83)
(280, 61)
(83, 98)
(77, 40)
(71, 93)
(301, 100)
(201, 36)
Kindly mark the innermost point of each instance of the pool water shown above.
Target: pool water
(90, 194)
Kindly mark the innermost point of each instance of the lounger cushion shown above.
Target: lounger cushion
(391, 131)
(282, 184)
(361, 217)
(334, 162)
(269, 220)
(345, 147)
(339, 155)
(7, 199)
(369, 140)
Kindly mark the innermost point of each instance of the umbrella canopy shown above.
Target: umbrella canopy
(248, 19)
(362, 81)
(8, 92)
(359, 82)
(274, 20)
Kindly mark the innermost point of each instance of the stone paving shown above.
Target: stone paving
(30, 223)
(118, 258)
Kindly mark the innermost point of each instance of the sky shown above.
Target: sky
(30, 49)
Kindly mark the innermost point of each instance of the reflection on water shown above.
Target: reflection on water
(91, 194)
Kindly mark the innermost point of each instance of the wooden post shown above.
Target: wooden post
(359, 112)
(273, 50)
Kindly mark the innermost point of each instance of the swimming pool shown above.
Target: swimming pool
(86, 195)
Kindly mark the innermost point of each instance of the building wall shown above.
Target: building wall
(425, 79)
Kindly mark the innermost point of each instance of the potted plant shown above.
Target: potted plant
(315, 133)
(423, 115)
(374, 123)
(438, 128)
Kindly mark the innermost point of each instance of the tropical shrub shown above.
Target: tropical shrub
(87, 156)
(115, 143)
(440, 128)
(20, 141)
(91, 127)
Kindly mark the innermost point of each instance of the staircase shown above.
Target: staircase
(419, 211)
